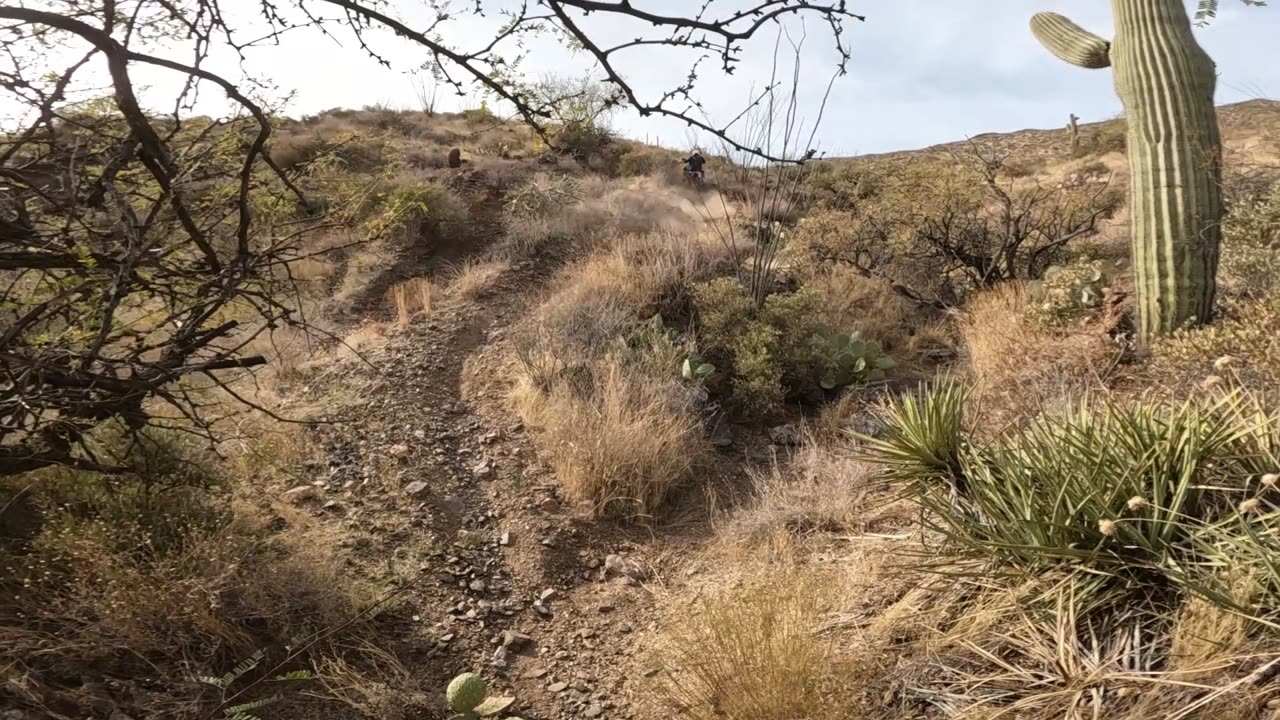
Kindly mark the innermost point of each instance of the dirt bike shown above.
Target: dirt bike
(695, 179)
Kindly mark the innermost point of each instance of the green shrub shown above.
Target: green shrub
(480, 115)
(1105, 138)
(841, 185)
(541, 195)
(412, 203)
(634, 163)
(1251, 244)
(1138, 501)
(164, 498)
(388, 119)
(737, 336)
(160, 573)
(779, 350)
(583, 140)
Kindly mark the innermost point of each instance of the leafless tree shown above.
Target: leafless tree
(142, 252)
(929, 228)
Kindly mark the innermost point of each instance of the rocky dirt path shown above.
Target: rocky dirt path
(433, 477)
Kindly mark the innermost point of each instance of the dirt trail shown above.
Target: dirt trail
(436, 478)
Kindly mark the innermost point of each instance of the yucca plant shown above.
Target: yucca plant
(1144, 496)
(925, 435)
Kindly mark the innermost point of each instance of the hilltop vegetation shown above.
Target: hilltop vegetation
(863, 438)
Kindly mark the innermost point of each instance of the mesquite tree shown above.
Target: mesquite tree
(1166, 82)
(142, 251)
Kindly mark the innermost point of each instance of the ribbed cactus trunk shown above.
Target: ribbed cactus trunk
(1166, 83)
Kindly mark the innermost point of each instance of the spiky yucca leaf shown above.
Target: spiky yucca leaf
(925, 434)
(1058, 491)
(241, 669)
(1137, 496)
(249, 710)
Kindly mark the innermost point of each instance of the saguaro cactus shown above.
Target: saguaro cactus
(1073, 130)
(1166, 83)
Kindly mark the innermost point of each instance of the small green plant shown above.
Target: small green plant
(695, 370)
(649, 342)
(468, 698)
(229, 701)
(480, 115)
(846, 359)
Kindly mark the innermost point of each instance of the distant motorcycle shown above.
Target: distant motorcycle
(695, 179)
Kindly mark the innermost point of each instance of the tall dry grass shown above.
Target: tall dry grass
(551, 215)
(620, 439)
(412, 297)
(1021, 367)
(749, 649)
(599, 379)
(818, 489)
(849, 300)
(473, 277)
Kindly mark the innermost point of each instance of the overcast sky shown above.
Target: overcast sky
(923, 71)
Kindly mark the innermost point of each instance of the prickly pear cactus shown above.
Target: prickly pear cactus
(465, 693)
(1166, 83)
(846, 359)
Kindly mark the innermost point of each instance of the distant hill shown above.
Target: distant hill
(1251, 127)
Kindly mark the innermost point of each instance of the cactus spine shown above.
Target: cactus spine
(1166, 83)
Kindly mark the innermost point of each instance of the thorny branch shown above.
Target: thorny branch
(142, 253)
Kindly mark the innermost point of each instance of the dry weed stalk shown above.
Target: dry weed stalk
(406, 293)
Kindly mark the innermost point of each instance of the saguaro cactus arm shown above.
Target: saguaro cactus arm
(1165, 81)
(1070, 42)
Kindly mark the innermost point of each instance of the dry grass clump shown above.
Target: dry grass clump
(541, 195)
(157, 574)
(473, 277)
(849, 300)
(982, 651)
(600, 375)
(620, 438)
(414, 296)
(600, 298)
(750, 650)
(571, 216)
(819, 489)
(1020, 365)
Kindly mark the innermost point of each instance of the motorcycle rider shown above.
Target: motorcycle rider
(693, 165)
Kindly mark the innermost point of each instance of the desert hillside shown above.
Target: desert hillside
(860, 438)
